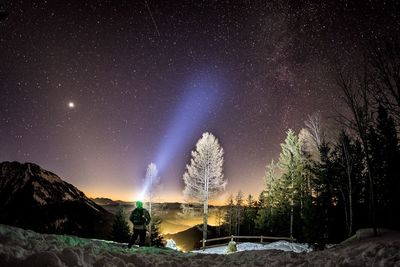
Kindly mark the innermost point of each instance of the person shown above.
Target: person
(140, 218)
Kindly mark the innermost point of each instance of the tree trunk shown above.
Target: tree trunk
(350, 207)
(372, 199)
(151, 217)
(346, 214)
(205, 217)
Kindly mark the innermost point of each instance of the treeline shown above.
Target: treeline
(326, 185)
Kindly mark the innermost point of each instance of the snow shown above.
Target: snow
(279, 245)
(39, 200)
(51, 177)
(171, 244)
(20, 247)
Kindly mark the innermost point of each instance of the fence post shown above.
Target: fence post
(231, 237)
(204, 243)
(262, 239)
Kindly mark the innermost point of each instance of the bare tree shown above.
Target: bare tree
(308, 146)
(384, 64)
(347, 164)
(152, 179)
(355, 95)
(313, 124)
(204, 178)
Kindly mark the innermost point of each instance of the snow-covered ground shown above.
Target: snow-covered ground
(26, 248)
(279, 245)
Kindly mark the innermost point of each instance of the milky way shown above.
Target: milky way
(128, 66)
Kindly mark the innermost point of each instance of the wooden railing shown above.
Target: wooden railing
(235, 237)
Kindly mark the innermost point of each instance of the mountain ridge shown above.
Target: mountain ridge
(34, 198)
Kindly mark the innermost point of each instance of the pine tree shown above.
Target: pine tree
(262, 214)
(385, 159)
(120, 229)
(249, 217)
(292, 183)
(219, 217)
(319, 204)
(156, 238)
(229, 216)
(238, 211)
(271, 183)
(204, 178)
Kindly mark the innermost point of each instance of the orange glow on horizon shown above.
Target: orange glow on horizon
(128, 198)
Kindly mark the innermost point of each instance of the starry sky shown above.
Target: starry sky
(96, 90)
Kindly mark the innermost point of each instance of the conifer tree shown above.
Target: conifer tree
(238, 211)
(292, 182)
(262, 214)
(249, 217)
(120, 229)
(156, 238)
(229, 216)
(385, 159)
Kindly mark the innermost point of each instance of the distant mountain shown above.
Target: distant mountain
(34, 198)
(103, 201)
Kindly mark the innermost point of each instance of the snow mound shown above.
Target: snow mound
(20, 247)
(279, 245)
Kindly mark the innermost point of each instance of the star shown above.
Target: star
(71, 105)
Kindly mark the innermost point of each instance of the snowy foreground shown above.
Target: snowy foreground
(280, 245)
(26, 248)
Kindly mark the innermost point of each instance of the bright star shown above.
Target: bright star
(71, 104)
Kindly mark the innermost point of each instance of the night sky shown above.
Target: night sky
(96, 90)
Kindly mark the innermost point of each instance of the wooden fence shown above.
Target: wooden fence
(261, 239)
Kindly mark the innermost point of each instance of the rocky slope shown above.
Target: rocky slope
(34, 198)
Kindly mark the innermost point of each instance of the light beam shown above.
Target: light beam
(197, 105)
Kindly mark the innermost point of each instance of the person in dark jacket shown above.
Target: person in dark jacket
(140, 218)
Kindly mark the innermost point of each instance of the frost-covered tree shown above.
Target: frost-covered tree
(152, 179)
(271, 186)
(312, 137)
(292, 165)
(204, 177)
(313, 124)
(308, 147)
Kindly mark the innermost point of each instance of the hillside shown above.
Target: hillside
(34, 198)
(189, 239)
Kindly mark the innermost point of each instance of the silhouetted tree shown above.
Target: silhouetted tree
(156, 238)
(120, 229)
